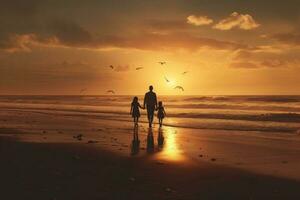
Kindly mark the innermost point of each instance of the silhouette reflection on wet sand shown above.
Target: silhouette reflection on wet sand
(150, 145)
(160, 138)
(135, 144)
(150, 141)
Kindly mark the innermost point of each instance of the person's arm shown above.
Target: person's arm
(140, 105)
(155, 100)
(131, 109)
(145, 100)
(164, 112)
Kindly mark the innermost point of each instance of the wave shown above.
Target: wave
(275, 117)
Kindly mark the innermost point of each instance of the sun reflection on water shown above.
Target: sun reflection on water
(170, 150)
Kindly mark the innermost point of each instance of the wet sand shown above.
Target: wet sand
(57, 156)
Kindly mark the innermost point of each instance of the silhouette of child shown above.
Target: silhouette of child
(161, 113)
(134, 110)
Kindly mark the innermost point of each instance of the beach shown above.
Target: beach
(210, 148)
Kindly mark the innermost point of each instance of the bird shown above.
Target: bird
(162, 62)
(183, 73)
(167, 79)
(138, 68)
(111, 66)
(179, 87)
(82, 90)
(110, 91)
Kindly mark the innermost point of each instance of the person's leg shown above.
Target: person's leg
(134, 120)
(149, 116)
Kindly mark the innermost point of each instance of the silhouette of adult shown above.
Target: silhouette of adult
(150, 102)
(150, 141)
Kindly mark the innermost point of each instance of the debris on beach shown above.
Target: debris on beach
(200, 155)
(92, 141)
(44, 131)
(213, 159)
(159, 163)
(169, 190)
(132, 179)
(75, 157)
(78, 137)
(284, 162)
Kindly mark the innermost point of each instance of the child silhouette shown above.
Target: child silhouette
(161, 113)
(134, 110)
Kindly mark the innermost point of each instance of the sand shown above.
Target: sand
(51, 155)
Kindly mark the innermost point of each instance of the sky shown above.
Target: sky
(211, 47)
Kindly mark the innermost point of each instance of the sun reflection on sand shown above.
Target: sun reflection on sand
(170, 150)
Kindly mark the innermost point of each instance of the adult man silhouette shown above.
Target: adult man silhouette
(150, 102)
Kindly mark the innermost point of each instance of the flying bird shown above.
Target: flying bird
(162, 63)
(82, 90)
(183, 73)
(111, 66)
(110, 91)
(167, 79)
(138, 68)
(179, 87)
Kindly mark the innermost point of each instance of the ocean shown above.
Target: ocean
(243, 113)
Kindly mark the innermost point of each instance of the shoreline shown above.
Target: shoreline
(76, 171)
(44, 157)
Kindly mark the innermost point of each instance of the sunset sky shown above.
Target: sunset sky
(225, 46)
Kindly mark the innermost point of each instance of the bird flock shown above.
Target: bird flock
(162, 63)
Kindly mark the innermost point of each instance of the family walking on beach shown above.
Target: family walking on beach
(150, 102)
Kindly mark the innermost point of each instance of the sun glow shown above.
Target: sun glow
(171, 83)
(171, 150)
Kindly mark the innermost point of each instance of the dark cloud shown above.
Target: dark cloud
(265, 59)
(288, 38)
(73, 35)
(70, 33)
(246, 65)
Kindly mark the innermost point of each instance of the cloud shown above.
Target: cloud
(236, 20)
(80, 38)
(262, 58)
(154, 25)
(15, 42)
(246, 65)
(199, 20)
(70, 33)
(288, 38)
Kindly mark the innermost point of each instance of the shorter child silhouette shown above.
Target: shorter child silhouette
(161, 113)
(134, 110)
